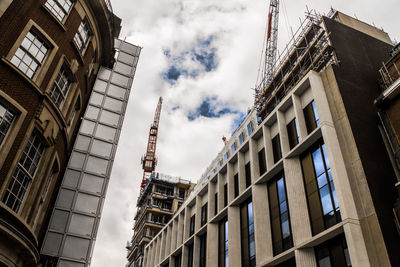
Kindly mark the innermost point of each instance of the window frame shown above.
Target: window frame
(66, 15)
(82, 49)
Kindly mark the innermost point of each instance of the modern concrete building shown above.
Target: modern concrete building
(157, 203)
(52, 54)
(300, 181)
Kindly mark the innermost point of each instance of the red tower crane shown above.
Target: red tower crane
(149, 160)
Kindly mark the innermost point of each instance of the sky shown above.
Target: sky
(202, 57)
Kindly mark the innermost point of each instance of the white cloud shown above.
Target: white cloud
(185, 148)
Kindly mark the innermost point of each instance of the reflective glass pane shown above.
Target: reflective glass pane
(116, 91)
(106, 132)
(334, 195)
(119, 79)
(80, 224)
(77, 159)
(59, 220)
(101, 148)
(82, 142)
(326, 200)
(75, 247)
(126, 58)
(92, 183)
(92, 112)
(123, 68)
(65, 198)
(318, 163)
(281, 190)
(96, 99)
(86, 203)
(104, 73)
(326, 157)
(130, 49)
(97, 165)
(71, 178)
(109, 117)
(113, 104)
(100, 86)
(325, 262)
(322, 180)
(65, 263)
(87, 127)
(52, 243)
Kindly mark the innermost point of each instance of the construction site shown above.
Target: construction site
(298, 182)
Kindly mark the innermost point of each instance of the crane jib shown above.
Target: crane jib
(269, 25)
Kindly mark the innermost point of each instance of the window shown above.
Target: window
(59, 8)
(60, 87)
(293, 133)
(247, 174)
(241, 138)
(181, 193)
(226, 156)
(333, 252)
(321, 193)
(204, 214)
(279, 210)
(276, 148)
(82, 36)
(178, 260)
(288, 263)
(225, 195)
(190, 255)
(6, 119)
(262, 161)
(233, 148)
(203, 250)
(192, 225)
(250, 128)
(311, 117)
(53, 172)
(24, 172)
(236, 184)
(215, 203)
(223, 243)
(30, 54)
(219, 164)
(247, 234)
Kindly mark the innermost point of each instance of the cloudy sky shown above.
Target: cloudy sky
(202, 56)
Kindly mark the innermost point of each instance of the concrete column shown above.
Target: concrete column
(268, 147)
(171, 261)
(211, 199)
(301, 121)
(212, 244)
(185, 253)
(221, 183)
(174, 235)
(241, 172)
(186, 223)
(255, 170)
(197, 219)
(162, 245)
(234, 237)
(305, 257)
(157, 252)
(298, 210)
(196, 251)
(283, 133)
(180, 230)
(229, 178)
(168, 241)
(145, 258)
(262, 223)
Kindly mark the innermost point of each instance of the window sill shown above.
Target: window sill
(59, 23)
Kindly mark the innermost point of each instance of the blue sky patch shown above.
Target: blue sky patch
(211, 108)
(238, 120)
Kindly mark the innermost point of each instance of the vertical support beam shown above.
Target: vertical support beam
(221, 183)
(212, 244)
(268, 147)
(198, 214)
(211, 199)
(186, 223)
(301, 121)
(283, 133)
(298, 210)
(305, 257)
(234, 237)
(174, 234)
(229, 179)
(196, 251)
(241, 172)
(168, 240)
(255, 170)
(262, 224)
(162, 245)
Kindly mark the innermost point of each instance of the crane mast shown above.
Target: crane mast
(149, 160)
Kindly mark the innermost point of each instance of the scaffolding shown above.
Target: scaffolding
(390, 71)
(308, 49)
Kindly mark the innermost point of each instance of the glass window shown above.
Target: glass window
(81, 224)
(86, 203)
(116, 91)
(241, 138)
(65, 198)
(59, 220)
(262, 163)
(123, 68)
(223, 243)
(6, 119)
(101, 148)
(87, 127)
(60, 87)
(77, 160)
(82, 142)
(190, 255)
(203, 250)
(233, 148)
(100, 86)
(52, 243)
(31, 53)
(236, 184)
(92, 183)
(71, 178)
(247, 172)
(276, 148)
(333, 252)
(59, 8)
(82, 36)
(113, 104)
(226, 156)
(250, 128)
(92, 112)
(24, 172)
(109, 118)
(204, 212)
(106, 132)
(311, 117)
(293, 133)
(97, 165)
(96, 99)
(119, 79)
(247, 234)
(104, 73)
(126, 58)
(129, 48)
(75, 247)
(192, 225)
